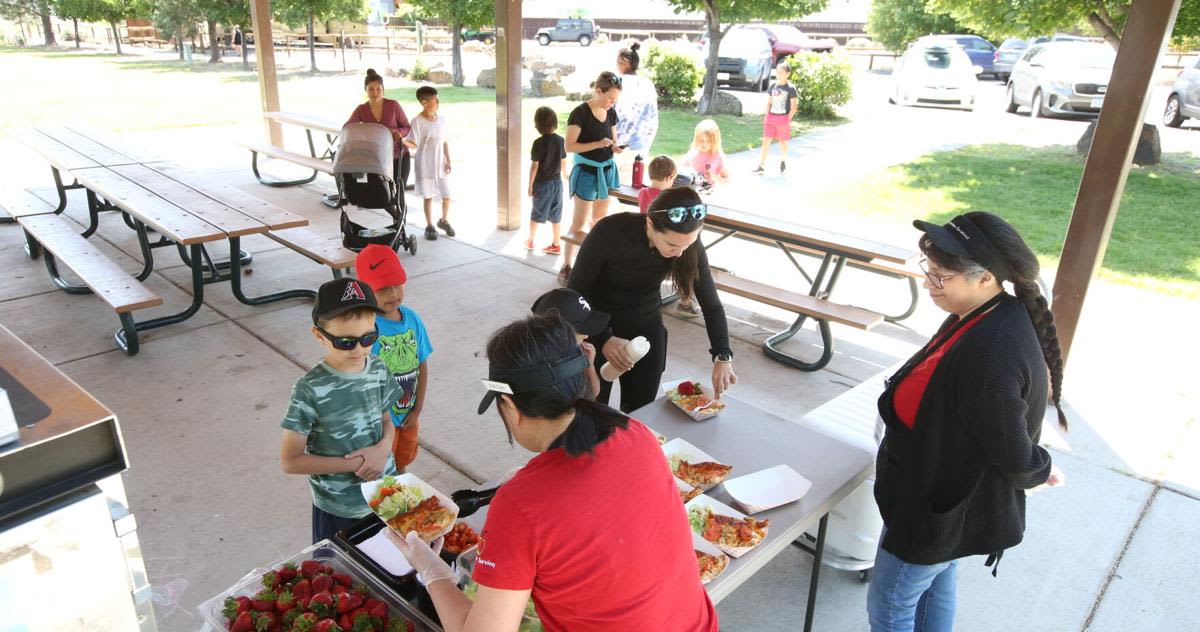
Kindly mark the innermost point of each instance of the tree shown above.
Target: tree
(21, 10)
(225, 12)
(458, 14)
(731, 12)
(998, 19)
(896, 23)
(71, 10)
(297, 12)
(176, 17)
(110, 12)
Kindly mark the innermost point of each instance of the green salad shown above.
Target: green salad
(392, 499)
(698, 516)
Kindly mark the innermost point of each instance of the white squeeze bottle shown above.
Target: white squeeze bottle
(638, 347)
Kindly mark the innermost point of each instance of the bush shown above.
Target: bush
(823, 81)
(675, 76)
(419, 71)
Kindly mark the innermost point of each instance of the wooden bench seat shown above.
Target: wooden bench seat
(20, 203)
(101, 276)
(796, 302)
(324, 250)
(308, 162)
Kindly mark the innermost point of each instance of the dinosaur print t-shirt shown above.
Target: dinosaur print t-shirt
(339, 413)
(403, 345)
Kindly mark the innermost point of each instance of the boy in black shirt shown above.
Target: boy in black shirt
(546, 175)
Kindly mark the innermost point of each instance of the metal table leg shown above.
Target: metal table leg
(126, 337)
(277, 183)
(235, 282)
(820, 288)
(818, 551)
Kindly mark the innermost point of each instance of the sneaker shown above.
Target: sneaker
(564, 275)
(552, 249)
(430, 233)
(782, 166)
(528, 246)
(759, 171)
(687, 310)
(445, 226)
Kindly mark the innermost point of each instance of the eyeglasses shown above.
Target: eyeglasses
(677, 214)
(938, 280)
(346, 343)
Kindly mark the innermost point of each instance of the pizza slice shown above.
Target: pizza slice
(710, 565)
(734, 532)
(704, 474)
(428, 518)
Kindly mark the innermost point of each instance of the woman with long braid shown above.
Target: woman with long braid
(963, 417)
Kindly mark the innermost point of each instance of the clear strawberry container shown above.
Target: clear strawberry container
(327, 553)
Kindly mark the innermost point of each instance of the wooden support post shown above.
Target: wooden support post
(1104, 174)
(264, 56)
(508, 114)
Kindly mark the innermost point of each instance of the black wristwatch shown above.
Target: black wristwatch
(723, 357)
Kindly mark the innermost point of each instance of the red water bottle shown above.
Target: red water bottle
(637, 171)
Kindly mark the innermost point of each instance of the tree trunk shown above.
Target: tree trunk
(116, 36)
(456, 71)
(312, 47)
(1107, 30)
(708, 97)
(215, 43)
(47, 27)
(76, 21)
(245, 51)
(179, 42)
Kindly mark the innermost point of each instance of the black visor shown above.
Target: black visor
(526, 379)
(960, 236)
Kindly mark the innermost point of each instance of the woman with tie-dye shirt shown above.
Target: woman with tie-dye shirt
(637, 111)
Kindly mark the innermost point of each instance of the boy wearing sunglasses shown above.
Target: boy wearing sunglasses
(338, 428)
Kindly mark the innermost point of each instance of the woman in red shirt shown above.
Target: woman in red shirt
(389, 114)
(592, 527)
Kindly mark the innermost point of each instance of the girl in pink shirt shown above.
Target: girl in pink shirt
(706, 157)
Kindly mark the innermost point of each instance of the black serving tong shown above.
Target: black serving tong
(470, 501)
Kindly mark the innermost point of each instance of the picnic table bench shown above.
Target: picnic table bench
(317, 163)
(188, 213)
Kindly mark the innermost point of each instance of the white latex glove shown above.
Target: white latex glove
(422, 557)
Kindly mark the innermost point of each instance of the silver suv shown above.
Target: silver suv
(1058, 78)
(569, 30)
(1184, 102)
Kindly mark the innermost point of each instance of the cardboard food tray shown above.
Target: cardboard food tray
(723, 509)
(368, 492)
(690, 453)
(699, 414)
(704, 546)
(325, 552)
(684, 488)
(767, 489)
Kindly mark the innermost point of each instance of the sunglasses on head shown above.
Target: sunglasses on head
(346, 343)
(677, 214)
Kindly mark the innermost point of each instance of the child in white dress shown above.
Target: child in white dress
(430, 145)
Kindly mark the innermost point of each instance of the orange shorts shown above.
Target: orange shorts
(404, 445)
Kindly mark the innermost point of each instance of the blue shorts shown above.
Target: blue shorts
(325, 524)
(583, 183)
(547, 201)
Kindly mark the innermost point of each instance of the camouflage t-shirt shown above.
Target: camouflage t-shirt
(340, 413)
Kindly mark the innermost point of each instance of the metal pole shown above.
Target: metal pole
(1107, 167)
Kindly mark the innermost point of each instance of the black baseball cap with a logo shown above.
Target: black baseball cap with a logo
(339, 296)
(574, 309)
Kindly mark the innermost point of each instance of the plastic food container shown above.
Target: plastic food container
(326, 553)
(466, 564)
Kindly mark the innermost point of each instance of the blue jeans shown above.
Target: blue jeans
(907, 597)
(325, 525)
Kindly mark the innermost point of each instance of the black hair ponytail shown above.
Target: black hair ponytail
(1024, 270)
(631, 56)
(371, 77)
(547, 339)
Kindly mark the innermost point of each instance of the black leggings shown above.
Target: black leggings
(400, 169)
(639, 386)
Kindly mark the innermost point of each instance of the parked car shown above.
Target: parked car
(1061, 78)
(1011, 49)
(935, 73)
(487, 36)
(570, 30)
(788, 40)
(979, 50)
(1184, 101)
(745, 59)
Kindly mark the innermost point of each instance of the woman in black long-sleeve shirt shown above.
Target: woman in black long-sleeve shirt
(620, 268)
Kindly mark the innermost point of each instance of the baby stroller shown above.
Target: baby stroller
(362, 168)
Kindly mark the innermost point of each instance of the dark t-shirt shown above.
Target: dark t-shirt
(592, 130)
(548, 151)
(781, 98)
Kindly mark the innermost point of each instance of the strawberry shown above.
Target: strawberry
(343, 579)
(302, 591)
(344, 622)
(364, 623)
(321, 604)
(327, 569)
(285, 601)
(264, 601)
(271, 580)
(348, 603)
(305, 622)
(371, 603)
(289, 618)
(380, 611)
(243, 623)
(322, 583)
(339, 589)
(362, 590)
(235, 606)
(265, 621)
(310, 568)
(400, 625)
(360, 612)
(327, 625)
(686, 388)
(288, 573)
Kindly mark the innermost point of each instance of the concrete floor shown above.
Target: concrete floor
(200, 409)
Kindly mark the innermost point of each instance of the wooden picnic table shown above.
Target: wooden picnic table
(834, 251)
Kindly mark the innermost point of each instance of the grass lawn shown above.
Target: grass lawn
(1154, 240)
